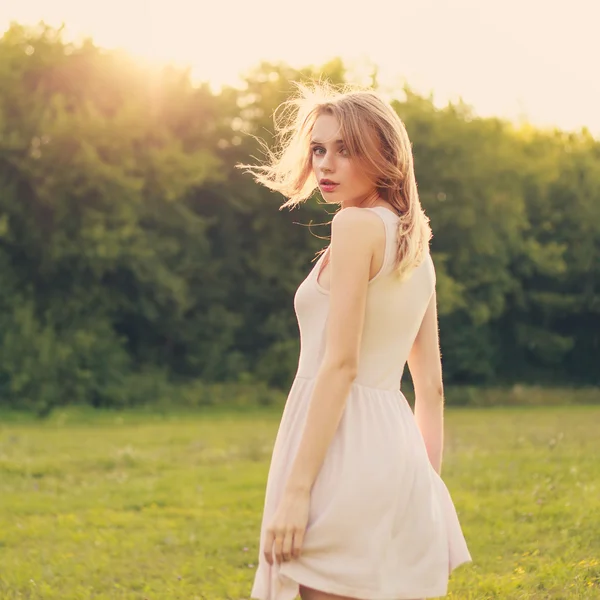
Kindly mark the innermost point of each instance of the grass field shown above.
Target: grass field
(132, 505)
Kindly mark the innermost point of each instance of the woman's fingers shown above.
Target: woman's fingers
(268, 547)
(284, 536)
(284, 545)
(278, 546)
(298, 541)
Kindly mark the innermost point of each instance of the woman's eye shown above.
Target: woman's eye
(343, 151)
(317, 150)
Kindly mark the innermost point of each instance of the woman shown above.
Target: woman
(355, 506)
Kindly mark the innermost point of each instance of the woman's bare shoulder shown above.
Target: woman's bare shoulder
(353, 220)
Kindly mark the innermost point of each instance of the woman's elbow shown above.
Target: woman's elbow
(343, 366)
(433, 389)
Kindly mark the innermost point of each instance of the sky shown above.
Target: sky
(533, 60)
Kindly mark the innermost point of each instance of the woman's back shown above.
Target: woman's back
(393, 313)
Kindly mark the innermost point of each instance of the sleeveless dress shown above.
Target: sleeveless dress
(382, 524)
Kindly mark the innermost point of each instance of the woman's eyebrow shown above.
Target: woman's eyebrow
(314, 142)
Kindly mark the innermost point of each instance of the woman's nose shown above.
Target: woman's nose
(326, 163)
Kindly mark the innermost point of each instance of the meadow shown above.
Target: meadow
(143, 505)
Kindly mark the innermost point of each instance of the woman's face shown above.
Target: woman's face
(340, 178)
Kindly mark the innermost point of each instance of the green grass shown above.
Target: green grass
(136, 505)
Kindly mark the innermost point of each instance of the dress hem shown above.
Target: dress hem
(360, 594)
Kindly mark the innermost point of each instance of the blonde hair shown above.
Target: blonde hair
(385, 155)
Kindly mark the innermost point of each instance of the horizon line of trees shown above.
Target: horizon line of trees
(131, 246)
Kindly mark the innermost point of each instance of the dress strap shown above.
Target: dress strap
(390, 221)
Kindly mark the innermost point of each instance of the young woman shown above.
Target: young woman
(355, 506)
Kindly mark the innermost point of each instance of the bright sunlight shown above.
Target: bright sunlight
(524, 61)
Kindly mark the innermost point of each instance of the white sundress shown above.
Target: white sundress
(382, 524)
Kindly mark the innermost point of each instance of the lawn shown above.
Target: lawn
(134, 505)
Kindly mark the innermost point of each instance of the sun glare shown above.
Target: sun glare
(500, 65)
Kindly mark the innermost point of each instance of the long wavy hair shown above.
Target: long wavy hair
(375, 138)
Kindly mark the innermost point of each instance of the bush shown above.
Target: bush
(42, 366)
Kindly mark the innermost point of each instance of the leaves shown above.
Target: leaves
(126, 230)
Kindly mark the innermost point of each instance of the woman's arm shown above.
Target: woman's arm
(425, 364)
(354, 234)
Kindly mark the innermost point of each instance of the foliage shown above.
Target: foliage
(131, 248)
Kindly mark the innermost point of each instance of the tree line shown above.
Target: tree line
(132, 249)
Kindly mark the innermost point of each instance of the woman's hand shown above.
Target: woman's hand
(285, 534)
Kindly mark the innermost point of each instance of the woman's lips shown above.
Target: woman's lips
(328, 187)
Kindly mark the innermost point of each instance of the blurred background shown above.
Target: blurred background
(138, 266)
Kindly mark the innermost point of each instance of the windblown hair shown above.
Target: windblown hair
(374, 136)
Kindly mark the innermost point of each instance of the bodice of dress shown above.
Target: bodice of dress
(393, 314)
